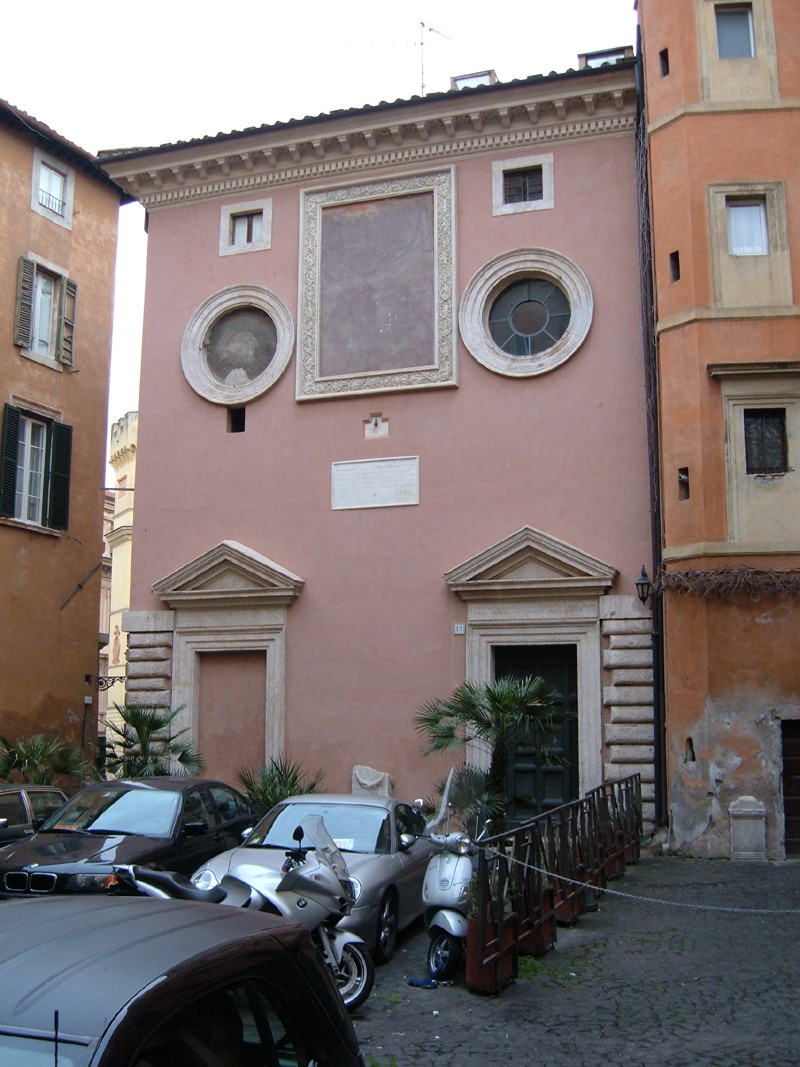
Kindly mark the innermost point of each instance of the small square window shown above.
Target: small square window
(735, 31)
(52, 188)
(675, 266)
(765, 440)
(663, 60)
(247, 229)
(522, 186)
(747, 226)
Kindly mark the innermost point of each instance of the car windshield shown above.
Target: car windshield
(148, 812)
(353, 827)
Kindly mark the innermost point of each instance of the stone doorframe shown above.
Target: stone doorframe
(532, 589)
(229, 599)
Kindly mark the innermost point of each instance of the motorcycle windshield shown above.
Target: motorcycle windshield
(439, 824)
(327, 852)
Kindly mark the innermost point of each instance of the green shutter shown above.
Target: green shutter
(8, 460)
(60, 461)
(67, 302)
(23, 319)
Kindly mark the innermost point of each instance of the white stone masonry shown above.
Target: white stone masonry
(149, 669)
(628, 732)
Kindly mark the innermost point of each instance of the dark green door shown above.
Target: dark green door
(533, 786)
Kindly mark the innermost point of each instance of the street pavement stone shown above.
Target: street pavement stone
(631, 985)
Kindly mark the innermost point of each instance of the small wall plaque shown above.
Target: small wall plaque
(375, 483)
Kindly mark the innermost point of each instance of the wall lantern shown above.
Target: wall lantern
(644, 586)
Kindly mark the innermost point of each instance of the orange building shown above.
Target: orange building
(58, 231)
(722, 89)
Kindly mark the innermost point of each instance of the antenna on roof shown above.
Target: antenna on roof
(422, 52)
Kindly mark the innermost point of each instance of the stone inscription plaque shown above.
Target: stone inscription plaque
(375, 483)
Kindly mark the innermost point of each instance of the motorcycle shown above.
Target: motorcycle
(313, 887)
(448, 878)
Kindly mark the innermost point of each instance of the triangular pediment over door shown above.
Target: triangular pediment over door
(530, 564)
(230, 574)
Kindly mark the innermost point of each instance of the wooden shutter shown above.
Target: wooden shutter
(59, 467)
(23, 319)
(67, 302)
(8, 460)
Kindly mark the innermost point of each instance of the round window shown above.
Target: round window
(241, 345)
(529, 316)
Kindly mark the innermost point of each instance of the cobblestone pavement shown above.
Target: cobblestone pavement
(632, 985)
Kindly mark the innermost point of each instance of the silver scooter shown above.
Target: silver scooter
(446, 889)
(313, 888)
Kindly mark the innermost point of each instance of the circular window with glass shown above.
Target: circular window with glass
(526, 311)
(529, 317)
(237, 344)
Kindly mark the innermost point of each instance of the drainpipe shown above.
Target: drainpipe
(647, 291)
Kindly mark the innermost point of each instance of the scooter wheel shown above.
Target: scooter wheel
(356, 975)
(444, 956)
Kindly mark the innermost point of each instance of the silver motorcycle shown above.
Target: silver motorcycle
(313, 887)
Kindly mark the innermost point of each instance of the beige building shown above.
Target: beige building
(122, 457)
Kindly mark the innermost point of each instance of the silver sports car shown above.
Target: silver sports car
(379, 838)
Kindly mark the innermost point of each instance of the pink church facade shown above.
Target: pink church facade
(392, 429)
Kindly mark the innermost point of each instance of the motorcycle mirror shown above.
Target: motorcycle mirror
(298, 834)
(419, 804)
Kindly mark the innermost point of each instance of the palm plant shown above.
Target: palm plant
(143, 745)
(39, 759)
(281, 778)
(498, 714)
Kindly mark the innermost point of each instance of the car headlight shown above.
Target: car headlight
(87, 883)
(354, 882)
(205, 879)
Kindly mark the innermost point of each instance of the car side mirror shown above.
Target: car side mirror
(406, 841)
(195, 829)
(37, 824)
(3, 824)
(247, 832)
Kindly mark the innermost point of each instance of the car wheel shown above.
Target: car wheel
(387, 928)
(355, 976)
(444, 956)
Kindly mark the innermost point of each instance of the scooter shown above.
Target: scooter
(313, 888)
(446, 888)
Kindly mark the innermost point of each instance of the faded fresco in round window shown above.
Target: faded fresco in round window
(529, 317)
(240, 346)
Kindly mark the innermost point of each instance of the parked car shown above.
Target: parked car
(171, 823)
(385, 856)
(137, 982)
(23, 806)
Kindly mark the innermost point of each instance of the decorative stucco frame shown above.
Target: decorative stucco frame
(499, 168)
(533, 589)
(489, 281)
(444, 372)
(193, 356)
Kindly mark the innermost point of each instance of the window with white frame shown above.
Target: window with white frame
(735, 31)
(52, 188)
(35, 464)
(523, 184)
(44, 323)
(747, 226)
(245, 227)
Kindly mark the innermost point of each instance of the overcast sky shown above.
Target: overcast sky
(109, 75)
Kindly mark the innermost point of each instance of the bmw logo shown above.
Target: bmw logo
(301, 902)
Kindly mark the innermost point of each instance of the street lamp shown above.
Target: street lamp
(644, 586)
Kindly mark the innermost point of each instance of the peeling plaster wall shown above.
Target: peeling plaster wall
(735, 727)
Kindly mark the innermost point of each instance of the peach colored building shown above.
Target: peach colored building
(722, 89)
(392, 429)
(58, 231)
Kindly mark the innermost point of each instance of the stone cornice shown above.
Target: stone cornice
(119, 535)
(336, 147)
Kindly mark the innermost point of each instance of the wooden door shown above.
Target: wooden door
(790, 738)
(534, 785)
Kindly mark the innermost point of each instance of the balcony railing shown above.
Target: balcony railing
(52, 203)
